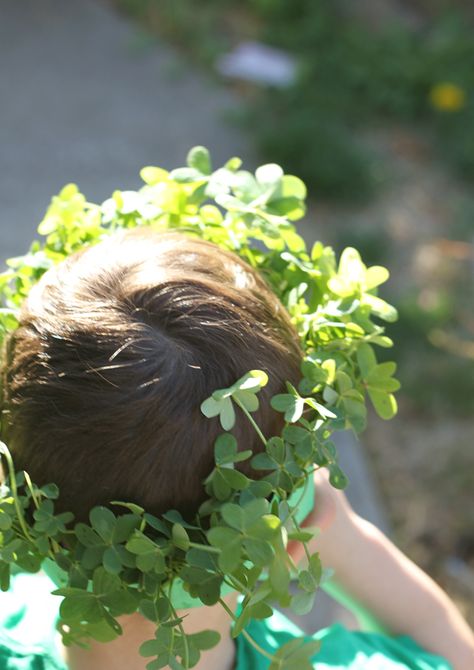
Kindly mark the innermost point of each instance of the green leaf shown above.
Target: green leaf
(343, 381)
(306, 581)
(205, 639)
(210, 408)
(211, 214)
(381, 308)
(5, 521)
(241, 622)
(229, 558)
(233, 515)
(291, 208)
(149, 610)
(235, 479)
(233, 164)
(231, 203)
(220, 488)
(295, 654)
(125, 526)
(387, 384)
(384, 404)
(199, 159)
(180, 537)
(200, 559)
(225, 449)
(51, 491)
(314, 372)
(87, 536)
(227, 415)
(92, 557)
(383, 370)
(259, 552)
(366, 359)
(264, 528)
(337, 478)
(260, 489)
(269, 175)
(300, 536)
(295, 434)
(136, 509)
(103, 582)
(153, 175)
(248, 399)
(209, 591)
(276, 449)
(111, 561)
(103, 521)
(302, 602)
(223, 407)
(279, 576)
(253, 380)
(261, 611)
(151, 561)
(322, 411)
(375, 276)
(150, 648)
(289, 404)
(263, 462)
(157, 524)
(255, 509)
(81, 607)
(186, 175)
(120, 602)
(140, 544)
(292, 186)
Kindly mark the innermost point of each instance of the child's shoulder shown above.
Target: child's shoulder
(340, 648)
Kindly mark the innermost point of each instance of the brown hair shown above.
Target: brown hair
(117, 348)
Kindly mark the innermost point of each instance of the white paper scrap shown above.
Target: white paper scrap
(259, 63)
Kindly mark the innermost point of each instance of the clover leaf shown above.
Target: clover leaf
(379, 381)
(243, 392)
(292, 404)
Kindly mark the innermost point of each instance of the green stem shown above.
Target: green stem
(30, 486)
(251, 419)
(256, 646)
(245, 634)
(234, 581)
(11, 473)
(228, 610)
(181, 630)
(205, 547)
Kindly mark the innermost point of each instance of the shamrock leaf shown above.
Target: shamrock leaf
(379, 381)
(222, 408)
(243, 392)
(292, 404)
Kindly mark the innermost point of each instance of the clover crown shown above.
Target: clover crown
(126, 559)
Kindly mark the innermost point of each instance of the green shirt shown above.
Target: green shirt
(28, 638)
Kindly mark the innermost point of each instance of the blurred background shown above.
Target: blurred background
(371, 104)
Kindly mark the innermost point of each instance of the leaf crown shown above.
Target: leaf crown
(132, 561)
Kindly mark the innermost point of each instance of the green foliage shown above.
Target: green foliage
(349, 78)
(126, 559)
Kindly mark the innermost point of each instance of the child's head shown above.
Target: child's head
(116, 350)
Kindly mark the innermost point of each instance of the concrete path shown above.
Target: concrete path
(80, 103)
